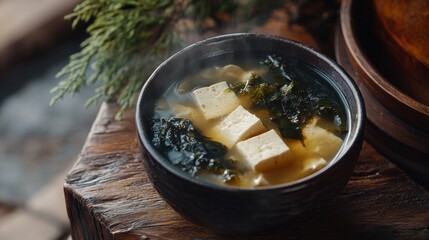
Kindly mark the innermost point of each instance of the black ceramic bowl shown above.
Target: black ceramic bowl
(244, 210)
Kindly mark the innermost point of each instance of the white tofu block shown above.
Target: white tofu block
(265, 152)
(216, 100)
(237, 126)
(320, 141)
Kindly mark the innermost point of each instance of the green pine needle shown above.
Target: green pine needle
(127, 40)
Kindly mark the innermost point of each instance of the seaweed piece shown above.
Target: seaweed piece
(185, 146)
(259, 91)
(332, 112)
(278, 71)
(290, 104)
(296, 109)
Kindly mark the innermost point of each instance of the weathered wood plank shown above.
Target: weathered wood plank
(108, 196)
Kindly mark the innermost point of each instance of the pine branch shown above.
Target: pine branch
(127, 40)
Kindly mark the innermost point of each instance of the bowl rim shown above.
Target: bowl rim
(349, 140)
(378, 81)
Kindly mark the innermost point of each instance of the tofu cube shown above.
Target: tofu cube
(216, 100)
(237, 126)
(265, 152)
(320, 141)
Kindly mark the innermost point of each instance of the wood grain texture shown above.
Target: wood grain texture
(109, 196)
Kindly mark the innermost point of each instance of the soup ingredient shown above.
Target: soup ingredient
(260, 180)
(216, 100)
(208, 76)
(182, 111)
(291, 109)
(320, 141)
(311, 161)
(332, 112)
(272, 124)
(278, 70)
(235, 73)
(237, 126)
(265, 152)
(189, 112)
(289, 103)
(313, 164)
(187, 148)
(257, 90)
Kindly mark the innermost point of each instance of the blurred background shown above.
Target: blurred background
(38, 143)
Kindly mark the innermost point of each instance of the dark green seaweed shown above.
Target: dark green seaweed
(187, 148)
(290, 104)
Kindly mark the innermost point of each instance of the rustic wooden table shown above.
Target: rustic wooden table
(109, 196)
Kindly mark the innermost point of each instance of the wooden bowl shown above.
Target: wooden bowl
(234, 210)
(394, 96)
(407, 23)
(397, 43)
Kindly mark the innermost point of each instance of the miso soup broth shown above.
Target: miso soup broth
(242, 109)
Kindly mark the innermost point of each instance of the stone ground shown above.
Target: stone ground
(38, 143)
